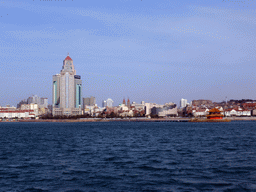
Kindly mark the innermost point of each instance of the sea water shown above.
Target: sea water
(128, 156)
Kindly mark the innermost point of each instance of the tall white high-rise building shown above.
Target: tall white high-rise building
(107, 103)
(183, 103)
(67, 90)
(110, 102)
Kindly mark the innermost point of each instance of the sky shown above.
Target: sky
(145, 50)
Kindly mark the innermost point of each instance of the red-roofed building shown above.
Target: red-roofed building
(68, 58)
(67, 91)
(249, 106)
(17, 114)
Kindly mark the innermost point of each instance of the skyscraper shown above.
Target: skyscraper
(89, 101)
(110, 102)
(107, 103)
(183, 103)
(67, 90)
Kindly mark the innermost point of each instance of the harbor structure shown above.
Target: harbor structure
(67, 90)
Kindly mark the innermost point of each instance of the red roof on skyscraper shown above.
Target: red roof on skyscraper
(68, 58)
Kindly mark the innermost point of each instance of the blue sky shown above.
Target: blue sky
(156, 51)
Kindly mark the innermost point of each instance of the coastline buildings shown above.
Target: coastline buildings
(67, 90)
(166, 110)
(110, 102)
(202, 102)
(41, 101)
(24, 101)
(107, 103)
(89, 101)
(38, 104)
(104, 103)
(14, 113)
(89, 106)
(183, 103)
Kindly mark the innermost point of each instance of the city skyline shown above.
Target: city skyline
(145, 50)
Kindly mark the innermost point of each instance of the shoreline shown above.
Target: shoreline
(174, 119)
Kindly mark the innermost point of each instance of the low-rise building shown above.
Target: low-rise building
(237, 112)
(230, 113)
(138, 105)
(254, 112)
(168, 109)
(13, 112)
(32, 106)
(200, 112)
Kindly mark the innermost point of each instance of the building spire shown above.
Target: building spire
(68, 58)
(128, 103)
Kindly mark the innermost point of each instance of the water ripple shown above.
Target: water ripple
(128, 156)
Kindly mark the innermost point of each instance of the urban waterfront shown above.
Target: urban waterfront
(128, 156)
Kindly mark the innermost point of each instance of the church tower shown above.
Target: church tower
(128, 104)
(67, 87)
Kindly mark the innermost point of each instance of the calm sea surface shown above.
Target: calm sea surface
(128, 156)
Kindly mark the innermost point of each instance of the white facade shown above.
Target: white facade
(229, 113)
(109, 102)
(67, 86)
(200, 112)
(149, 106)
(33, 107)
(168, 109)
(93, 110)
(123, 107)
(43, 103)
(138, 106)
(183, 103)
(9, 113)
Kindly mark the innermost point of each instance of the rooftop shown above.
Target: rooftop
(68, 58)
